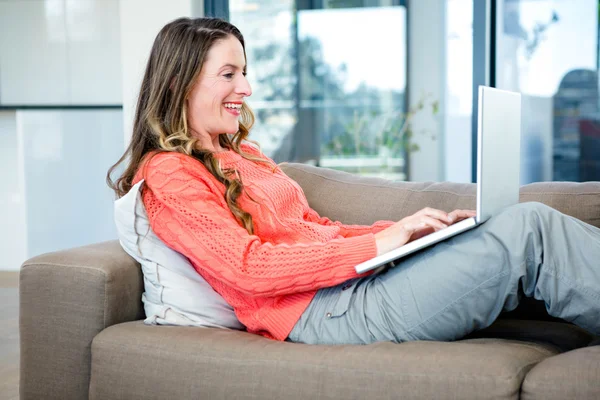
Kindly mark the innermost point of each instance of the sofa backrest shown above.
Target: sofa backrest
(363, 200)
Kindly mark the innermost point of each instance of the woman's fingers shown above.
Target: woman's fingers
(421, 233)
(420, 222)
(435, 213)
(410, 228)
(444, 217)
(459, 215)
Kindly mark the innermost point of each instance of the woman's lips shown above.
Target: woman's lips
(233, 111)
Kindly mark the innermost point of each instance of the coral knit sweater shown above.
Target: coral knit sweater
(270, 277)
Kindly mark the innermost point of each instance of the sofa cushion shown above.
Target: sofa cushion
(175, 293)
(136, 361)
(362, 200)
(572, 375)
(354, 199)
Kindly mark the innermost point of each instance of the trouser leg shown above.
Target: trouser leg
(463, 284)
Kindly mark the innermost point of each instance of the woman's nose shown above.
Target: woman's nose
(243, 87)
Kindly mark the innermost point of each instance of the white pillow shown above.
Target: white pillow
(175, 294)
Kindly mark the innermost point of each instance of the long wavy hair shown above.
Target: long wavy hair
(161, 123)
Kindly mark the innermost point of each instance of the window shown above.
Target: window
(548, 51)
(329, 83)
(458, 110)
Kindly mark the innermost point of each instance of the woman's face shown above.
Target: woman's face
(215, 101)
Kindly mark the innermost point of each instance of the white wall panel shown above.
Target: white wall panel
(13, 243)
(426, 72)
(65, 158)
(458, 96)
(141, 20)
(33, 52)
(64, 52)
(94, 52)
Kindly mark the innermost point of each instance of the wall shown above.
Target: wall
(66, 66)
(59, 52)
(140, 21)
(60, 124)
(13, 237)
(426, 74)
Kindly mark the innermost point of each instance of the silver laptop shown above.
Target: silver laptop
(498, 166)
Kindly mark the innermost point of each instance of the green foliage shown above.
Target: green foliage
(370, 131)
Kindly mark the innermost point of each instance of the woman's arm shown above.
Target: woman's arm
(311, 215)
(191, 217)
(347, 230)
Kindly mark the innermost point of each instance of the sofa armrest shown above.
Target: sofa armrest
(66, 299)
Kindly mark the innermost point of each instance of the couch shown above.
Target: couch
(82, 334)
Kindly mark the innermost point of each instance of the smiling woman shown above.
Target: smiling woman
(216, 100)
(288, 273)
(200, 112)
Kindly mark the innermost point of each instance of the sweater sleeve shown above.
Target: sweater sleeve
(348, 231)
(311, 215)
(191, 217)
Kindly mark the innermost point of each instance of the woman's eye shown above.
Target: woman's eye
(228, 76)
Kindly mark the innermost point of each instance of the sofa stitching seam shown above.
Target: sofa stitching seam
(42, 264)
(338, 180)
(531, 365)
(104, 307)
(388, 187)
(560, 193)
(438, 191)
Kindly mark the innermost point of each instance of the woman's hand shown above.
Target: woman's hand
(459, 215)
(456, 215)
(422, 223)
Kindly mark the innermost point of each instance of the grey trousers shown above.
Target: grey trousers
(463, 284)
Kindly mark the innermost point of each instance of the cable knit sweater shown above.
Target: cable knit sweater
(270, 277)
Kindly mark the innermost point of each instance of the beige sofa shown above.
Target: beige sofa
(82, 334)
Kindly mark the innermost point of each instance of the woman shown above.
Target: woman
(288, 273)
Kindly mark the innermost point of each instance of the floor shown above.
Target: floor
(9, 335)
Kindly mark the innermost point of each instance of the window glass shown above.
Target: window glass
(548, 51)
(329, 84)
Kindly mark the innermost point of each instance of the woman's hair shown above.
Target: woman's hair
(160, 123)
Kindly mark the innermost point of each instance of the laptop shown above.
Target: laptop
(498, 166)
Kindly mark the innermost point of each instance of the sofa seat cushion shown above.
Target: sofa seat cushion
(572, 375)
(137, 361)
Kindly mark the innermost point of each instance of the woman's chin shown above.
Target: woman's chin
(231, 130)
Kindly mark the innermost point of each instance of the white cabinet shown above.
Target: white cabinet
(94, 55)
(33, 53)
(60, 52)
